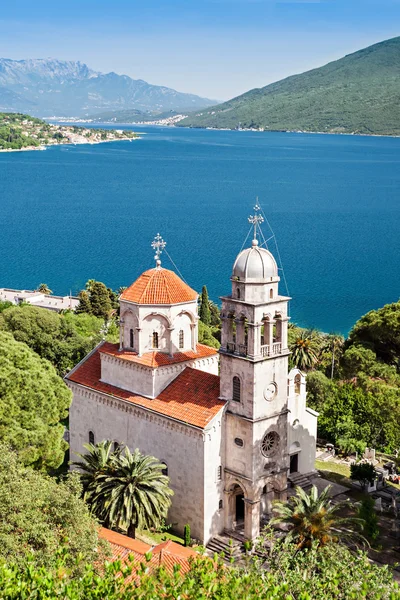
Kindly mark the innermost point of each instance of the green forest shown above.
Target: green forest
(356, 94)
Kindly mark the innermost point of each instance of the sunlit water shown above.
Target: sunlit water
(77, 212)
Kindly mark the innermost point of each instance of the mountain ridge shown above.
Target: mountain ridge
(48, 87)
(359, 93)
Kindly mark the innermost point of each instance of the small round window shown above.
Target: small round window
(239, 442)
(270, 443)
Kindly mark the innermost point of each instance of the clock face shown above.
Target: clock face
(270, 391)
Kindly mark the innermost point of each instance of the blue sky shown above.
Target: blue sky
(214, 48)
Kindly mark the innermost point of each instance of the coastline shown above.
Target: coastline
(45, 146)
(176, 126)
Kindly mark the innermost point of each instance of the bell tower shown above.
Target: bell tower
(254, 382)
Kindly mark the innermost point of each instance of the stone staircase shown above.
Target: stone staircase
(230, 544)
(302, 480)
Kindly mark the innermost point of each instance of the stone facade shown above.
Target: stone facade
(228, 439)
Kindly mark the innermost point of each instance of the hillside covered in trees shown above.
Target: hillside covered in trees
(356, 94)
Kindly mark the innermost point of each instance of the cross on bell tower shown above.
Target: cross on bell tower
(253, 381)
(158, 245)
(256, 219)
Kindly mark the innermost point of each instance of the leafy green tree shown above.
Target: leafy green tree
(44, 289)
(84, 305)
(363, 472)
(204, 312)
(328, 573)
(379, 331)
(33, 401)
(4, 305)
(367, 514)
(38, 514)
(347, 435)
(206, 336)
(313, 518)
(214, 315)
(100, 302)
(52, 336)
(305, 348)
(130, 492)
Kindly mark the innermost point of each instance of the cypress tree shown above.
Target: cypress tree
(205, 314)
(100, 302)
(84, 303)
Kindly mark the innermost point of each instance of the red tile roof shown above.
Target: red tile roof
(192, 397)
(167, 554)
(157, 359)
(159, 286)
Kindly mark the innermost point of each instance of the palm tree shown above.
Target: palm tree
(93, 463)
(131, 492)
(44, 289)
(333, 343)
(305, 347)
(314, 517)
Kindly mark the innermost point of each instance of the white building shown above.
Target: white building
(230, 425)
(36, 298)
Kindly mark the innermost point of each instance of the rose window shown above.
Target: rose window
(270, 443)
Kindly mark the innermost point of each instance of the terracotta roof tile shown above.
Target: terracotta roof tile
(192, 397)
(159, 286)
(157, 359)
(167, 554)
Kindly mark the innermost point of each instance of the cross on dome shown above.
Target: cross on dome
(158, 245)
(256, 219)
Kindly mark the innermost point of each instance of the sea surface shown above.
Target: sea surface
(71, 213)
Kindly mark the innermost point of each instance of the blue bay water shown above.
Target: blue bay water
(77, 212)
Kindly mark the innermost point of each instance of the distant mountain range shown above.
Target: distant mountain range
(50, 87)
(359, 93)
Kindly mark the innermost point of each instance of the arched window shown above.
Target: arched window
(164, 471)
(271, 294)
(238, 293)
(297, 383)
(131, 340)
(91, 437)
(236, 389)
(181, 339)
(220, 505)
(219, 473)
(155, 339)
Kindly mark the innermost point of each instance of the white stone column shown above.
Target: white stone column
(121, 333)
(285, 333)
(193, 331)
(139, 344)
(224, 332)
(171, 343)
(251, 519)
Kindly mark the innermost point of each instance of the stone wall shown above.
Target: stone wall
(180, 446)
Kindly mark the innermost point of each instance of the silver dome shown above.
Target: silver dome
(255, 264)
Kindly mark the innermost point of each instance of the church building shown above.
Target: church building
(231, 426)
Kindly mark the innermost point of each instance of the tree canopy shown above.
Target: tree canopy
(379, 330)
(328, 573)
(62, 339)
(33, 401)
(38, 515)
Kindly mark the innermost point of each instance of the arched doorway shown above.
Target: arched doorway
(239, 509)
(294, 452)
(235, 508)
